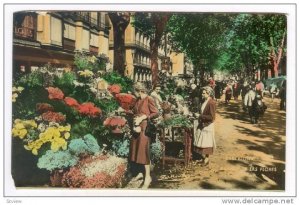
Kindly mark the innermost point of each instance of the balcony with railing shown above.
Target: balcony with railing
(82, 16)
(142, 45)
(141, 63)
(86, 18)
(94, 23)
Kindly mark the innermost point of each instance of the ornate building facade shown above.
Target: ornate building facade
(138, 63)
(54, 37)
(40, 38)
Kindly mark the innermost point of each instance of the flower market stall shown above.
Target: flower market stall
(72, 127)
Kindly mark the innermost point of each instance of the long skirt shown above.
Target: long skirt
(140, 146)
(204, 140)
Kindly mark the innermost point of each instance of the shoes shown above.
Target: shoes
(199, 161)
(205, 162)
(138, 177)
(147, 183)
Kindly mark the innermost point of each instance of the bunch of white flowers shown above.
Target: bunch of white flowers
(108, 166)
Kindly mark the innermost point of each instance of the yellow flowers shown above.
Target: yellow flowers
(92, 59)
(15, 91)
(21, 127)
(55, 135)
(67, 135)
(86, 73)
(21, 133)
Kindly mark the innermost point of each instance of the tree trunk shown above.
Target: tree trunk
(154, 61)
(276, 58)
(160, 22)
(201, 80)
(120, 22)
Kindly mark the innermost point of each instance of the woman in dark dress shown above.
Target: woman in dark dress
(143, 111)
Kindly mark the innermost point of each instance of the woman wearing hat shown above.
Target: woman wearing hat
(204, 139)
(143, 111)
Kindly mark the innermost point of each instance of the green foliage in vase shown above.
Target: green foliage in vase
(31, 80)
(114, 78)
(84, 61)
(80, 128)
(107, 105)
(83, 94)
(176, 120)
(81, 61)
(25, 105)
(65, 82)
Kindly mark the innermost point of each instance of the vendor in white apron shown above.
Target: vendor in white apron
(204, 139)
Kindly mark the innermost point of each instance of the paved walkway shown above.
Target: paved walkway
(247, 156)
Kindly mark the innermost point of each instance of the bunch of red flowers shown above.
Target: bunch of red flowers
(53, 117)
(89, 109)
(71, 102)
(114, 89)
(55, 93)
(44, 107)
(125, 100)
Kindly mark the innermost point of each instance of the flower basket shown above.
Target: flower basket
(117, 130)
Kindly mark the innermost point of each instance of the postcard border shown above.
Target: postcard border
(4, 62)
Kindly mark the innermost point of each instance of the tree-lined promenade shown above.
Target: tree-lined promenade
(240, 44)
